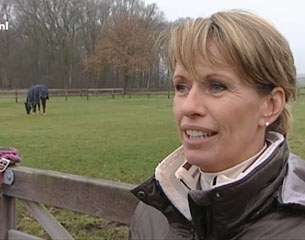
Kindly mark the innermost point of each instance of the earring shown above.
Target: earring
(267, 124)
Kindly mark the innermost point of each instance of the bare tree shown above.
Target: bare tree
(58, 35)
(95, 14)
(50, 40)
(6, 40)
(127, 40)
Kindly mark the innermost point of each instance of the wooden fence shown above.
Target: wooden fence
(301, 91)
(19, 95)
(34, 187)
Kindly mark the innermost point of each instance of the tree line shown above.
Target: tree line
(82, 44)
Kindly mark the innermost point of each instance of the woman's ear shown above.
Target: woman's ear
(274, 105)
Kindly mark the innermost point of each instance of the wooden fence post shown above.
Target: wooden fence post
(7, 215)
(112, 93)
(16, 98)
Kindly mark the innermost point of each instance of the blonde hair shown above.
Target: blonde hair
(246, 42)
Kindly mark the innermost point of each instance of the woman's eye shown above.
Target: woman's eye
(217, 87)
(182, 88)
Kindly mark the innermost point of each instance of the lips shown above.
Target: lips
(196, 134)
(190, 133)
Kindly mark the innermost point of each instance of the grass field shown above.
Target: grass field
(117, 139)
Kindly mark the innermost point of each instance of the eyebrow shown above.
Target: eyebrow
(178, 77)
(223, 77)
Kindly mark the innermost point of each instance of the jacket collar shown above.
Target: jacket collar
(294, 184)
(229, 207)
(178, 193)
(221, 212)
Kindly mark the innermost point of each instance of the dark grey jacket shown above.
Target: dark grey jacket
(269, 203)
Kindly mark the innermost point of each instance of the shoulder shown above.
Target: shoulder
(281, 224)
(296, 169)
(292, 192)
(148, 223)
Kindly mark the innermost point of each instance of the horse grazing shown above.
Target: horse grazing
(36, 94)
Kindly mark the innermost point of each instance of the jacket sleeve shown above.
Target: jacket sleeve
(148, 223)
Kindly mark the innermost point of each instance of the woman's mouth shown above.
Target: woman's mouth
(198, 134)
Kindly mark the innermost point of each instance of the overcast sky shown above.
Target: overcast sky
(288, 16)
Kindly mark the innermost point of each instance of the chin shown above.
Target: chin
(199, 159)
(207, 161)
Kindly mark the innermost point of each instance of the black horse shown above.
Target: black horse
(36, 94)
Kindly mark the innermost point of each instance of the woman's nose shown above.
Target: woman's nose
(194, 103)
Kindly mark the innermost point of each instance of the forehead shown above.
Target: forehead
(211, 59)
(202, 70)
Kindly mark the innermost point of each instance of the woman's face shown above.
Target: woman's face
(219, 116)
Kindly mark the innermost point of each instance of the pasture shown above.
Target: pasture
(118, 139)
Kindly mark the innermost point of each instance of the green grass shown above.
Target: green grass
(297, 138)
(117, 139)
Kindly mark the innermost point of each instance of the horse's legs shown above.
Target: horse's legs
(38, 104)
(34, 108)
(43, 102)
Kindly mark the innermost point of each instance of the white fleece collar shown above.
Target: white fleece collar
(172, 187)
(174, 170)
(212, 180)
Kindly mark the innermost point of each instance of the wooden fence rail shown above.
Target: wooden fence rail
(19, 95)
(35, 187)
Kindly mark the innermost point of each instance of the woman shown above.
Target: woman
(234, 177)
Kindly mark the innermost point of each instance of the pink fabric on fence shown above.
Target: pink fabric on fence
(11, 154)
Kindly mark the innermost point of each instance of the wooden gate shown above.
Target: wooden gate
(34, 187)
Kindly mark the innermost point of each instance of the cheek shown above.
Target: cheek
(239, 116)
(176, 109)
